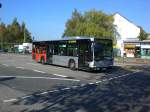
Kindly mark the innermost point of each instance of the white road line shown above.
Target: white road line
(20, 67)
(5, 65)
(53, 91)
(25, 77)
(32, 64)
(65, 88)
(59, 75)
(24, 97)
(43, 93)
(98, 82)
(10, 100)
(46, 92)
(91, 83)
(38, 71)
(117, 77)
(82, 85)
(75, 86)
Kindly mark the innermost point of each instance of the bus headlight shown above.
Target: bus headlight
(91, 64)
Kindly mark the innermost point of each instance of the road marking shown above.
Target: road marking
(82, 85)
(25, 77)
(5, 65)
(38, 71)
(52, 74)
(32, 64)
(91, 83)
(116, 77)
(46, 92)
(43, 93)
(75, 87)
(24, 97)
(20, 67)
(10, 100)
(59, 75)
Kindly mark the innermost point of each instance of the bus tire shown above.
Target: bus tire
(42, 60)
(72, 65)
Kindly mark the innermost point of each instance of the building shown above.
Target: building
(125, 30)
(137, 49)
(145, 49)
(132, 48)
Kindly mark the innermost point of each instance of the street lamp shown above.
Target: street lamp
(24, 34)
(1, 38)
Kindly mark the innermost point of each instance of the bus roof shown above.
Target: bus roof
(69, 38)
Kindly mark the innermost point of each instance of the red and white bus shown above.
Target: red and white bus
(75, 53)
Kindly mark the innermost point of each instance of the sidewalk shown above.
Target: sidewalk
(130, 61)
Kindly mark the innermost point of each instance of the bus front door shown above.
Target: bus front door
(84, 55)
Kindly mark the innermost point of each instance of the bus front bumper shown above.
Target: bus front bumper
(101, 64)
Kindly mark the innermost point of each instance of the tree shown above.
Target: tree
(73, 24)
(2, 30)
(143, 35)
(26, 35)
(16, 33)
(2, 34)
(91, 24)
(13, 33)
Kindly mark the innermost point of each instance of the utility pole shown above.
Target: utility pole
(0, 29)
(1, 41)
(24, 33)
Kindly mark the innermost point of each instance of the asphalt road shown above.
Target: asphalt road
(26, 86)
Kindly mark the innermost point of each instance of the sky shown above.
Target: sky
(46, 19)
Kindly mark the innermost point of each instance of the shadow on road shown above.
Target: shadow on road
(6, 78)
(140, 67)
(128, 94)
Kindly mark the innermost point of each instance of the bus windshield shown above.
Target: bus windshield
(102, 49)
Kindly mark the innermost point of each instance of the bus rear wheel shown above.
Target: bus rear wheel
(72, 65)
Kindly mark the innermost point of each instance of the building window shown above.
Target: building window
(146, 52)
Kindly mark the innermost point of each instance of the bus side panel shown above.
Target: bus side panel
(103, 63)
(63, 60)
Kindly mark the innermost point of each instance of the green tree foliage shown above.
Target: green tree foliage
(14, 33)
(143, 35)
(26, 34)
(92, 24)
(2, 30)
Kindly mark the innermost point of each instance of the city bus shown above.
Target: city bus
(75, 53)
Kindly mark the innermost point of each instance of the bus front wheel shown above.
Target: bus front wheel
(72, 65)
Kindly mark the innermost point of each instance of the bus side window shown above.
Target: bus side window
(62, 50)
(72, 50)
(51, 49)
(55, 50)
